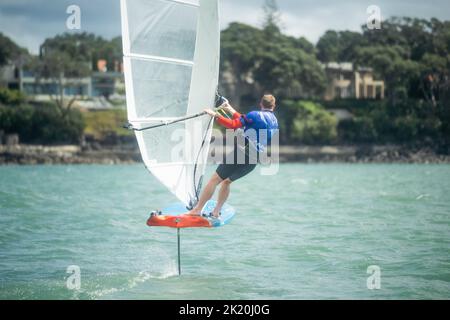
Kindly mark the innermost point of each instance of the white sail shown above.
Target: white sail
(171, 64)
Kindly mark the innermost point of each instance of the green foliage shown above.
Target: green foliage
(49, 126)
(111, 51)
(355, 106)
(272, 17)
(338, 45)
(240, 45)
(56, 64)
(289, 72)
(86, 48)
(67, 57)
(17, 119)
(304, 44)
(411, 55)
(409, 121)
(41, 124)
(9, 50)
(11, 97)
(444, 117)
(361, 129)
(407, 128)
(391, 64)
(312, 124)
(101, 123)
(283, 65)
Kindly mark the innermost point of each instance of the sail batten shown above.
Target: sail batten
(186, 2)
(161, 59)
(171, 63)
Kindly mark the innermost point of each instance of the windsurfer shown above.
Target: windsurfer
(226, 173)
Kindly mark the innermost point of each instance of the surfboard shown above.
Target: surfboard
(174, 217)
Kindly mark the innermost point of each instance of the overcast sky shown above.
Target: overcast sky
(29, 22)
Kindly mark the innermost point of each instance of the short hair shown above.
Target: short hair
(268, 101)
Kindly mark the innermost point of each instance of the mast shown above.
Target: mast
(179, 252)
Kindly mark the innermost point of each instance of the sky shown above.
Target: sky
(30, 22)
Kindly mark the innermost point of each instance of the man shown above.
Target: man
(264, 123)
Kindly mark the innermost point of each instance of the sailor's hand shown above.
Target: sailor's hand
(212, 113)
(228, 108)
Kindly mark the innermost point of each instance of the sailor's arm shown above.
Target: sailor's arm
(228, 108)
(233, 123)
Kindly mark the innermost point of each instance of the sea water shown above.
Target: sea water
(323, 231)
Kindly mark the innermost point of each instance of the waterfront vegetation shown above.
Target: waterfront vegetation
(100, 124)
(411, 55)
(42, 123)
(303, 122)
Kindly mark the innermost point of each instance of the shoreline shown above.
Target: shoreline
(129, 154)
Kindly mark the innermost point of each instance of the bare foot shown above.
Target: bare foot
(192, 213)
(216, 214)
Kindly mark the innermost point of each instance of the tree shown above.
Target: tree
(11, 97)
(328, 47)
(272, 17)
(392, 64)
(434, 75)
(289, 72)
(338, 46)
(254, 63)
(304, 44)
(66, 59)
(86, 47)
(241, 47)
(9, 51)
(424, 50)
(311, 124)
(63, 72)
(111, 51)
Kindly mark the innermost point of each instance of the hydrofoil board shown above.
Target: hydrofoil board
(175, 216)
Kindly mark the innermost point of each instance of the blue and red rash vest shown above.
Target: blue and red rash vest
(259, 126)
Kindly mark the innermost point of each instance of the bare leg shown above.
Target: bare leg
(207, 194)
(223, 196)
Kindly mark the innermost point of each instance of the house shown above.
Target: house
(99, 84)
(346, 82)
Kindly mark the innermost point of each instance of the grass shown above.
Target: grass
(102, 122)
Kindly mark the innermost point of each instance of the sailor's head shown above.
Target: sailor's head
(268, 102)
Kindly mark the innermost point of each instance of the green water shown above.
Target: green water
(310, 232)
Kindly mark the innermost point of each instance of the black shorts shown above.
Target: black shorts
(234, 171)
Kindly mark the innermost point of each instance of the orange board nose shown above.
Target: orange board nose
(182, 221)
